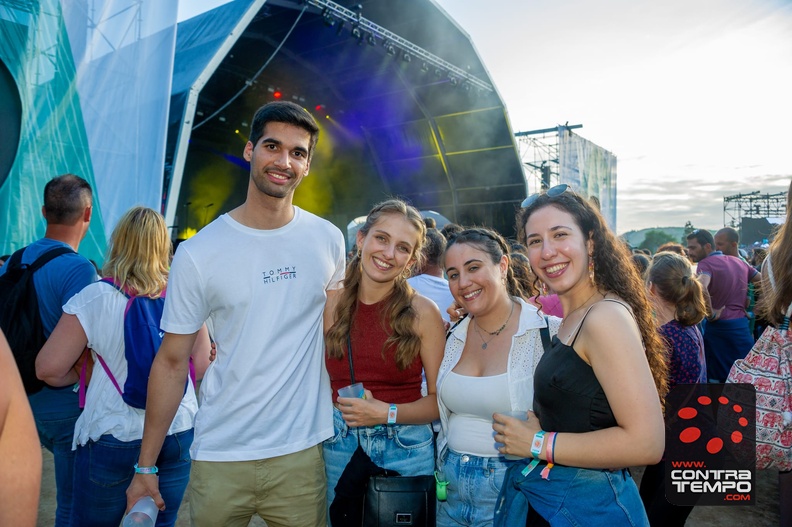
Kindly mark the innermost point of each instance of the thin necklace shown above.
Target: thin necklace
(577, 308)
(493, 334)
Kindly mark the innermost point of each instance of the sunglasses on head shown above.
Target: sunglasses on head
(552, 192)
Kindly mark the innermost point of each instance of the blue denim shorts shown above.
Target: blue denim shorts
(474, 484)
(407, 449)
(570, 496)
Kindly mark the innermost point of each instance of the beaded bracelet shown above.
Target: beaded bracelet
(145, 470)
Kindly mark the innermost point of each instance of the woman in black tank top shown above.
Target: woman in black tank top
(598, 388)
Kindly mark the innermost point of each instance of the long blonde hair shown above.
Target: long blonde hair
(399, 311)
(138, 256)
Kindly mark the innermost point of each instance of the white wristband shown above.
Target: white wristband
(392, 411)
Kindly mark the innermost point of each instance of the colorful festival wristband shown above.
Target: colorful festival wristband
(549, 453)
(550, 448)
(145, 470)
(536, 444)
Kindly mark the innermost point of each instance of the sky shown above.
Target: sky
(692, 96)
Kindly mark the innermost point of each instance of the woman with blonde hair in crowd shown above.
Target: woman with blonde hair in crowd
(678, 302)
(488, 367)
(598, 389)
(107, 435)
(390, 333)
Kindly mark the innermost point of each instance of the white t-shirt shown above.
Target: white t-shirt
(267, 394)
(100, 309)
(434, 288)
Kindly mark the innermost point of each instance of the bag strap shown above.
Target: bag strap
(83, 374)
(544, 332)
(349, 356)
(769, 263)
(41, 261)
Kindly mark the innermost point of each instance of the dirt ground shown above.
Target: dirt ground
(763, 514)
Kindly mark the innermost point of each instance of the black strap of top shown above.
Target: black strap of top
(577, 330)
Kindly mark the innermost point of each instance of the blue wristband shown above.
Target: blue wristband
(392, 411)
(145, 470)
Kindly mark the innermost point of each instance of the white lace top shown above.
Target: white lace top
(524, 355)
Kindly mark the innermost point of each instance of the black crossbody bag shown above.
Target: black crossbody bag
(368, 495)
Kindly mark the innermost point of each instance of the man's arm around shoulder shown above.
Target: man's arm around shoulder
(165, 392)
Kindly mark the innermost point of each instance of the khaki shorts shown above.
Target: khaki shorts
(286, 491)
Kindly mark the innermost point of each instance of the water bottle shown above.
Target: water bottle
(142, 514)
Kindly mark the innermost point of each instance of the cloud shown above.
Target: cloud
(653, 203)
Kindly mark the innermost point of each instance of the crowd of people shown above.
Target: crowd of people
(526, 376)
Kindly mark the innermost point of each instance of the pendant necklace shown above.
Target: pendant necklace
(577, 308)
(495, 333)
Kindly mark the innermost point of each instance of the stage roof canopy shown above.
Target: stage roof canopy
(405, 105)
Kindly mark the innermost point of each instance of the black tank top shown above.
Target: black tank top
(567, 395)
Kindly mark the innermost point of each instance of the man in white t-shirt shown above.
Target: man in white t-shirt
(429, 280)
(262, 274)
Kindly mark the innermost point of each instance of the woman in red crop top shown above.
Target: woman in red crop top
(395, 333)
(598, 389)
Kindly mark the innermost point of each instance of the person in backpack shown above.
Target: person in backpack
(67, 210)
(107, 435)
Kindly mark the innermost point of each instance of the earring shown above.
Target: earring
(591, 272)
(543, 287)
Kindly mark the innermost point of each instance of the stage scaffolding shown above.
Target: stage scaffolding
(753, 205)
(539, 153)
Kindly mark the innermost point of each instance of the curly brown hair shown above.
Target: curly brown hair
(399, 310)
(614, 272)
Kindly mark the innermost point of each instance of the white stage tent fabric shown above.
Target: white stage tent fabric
(94, 80)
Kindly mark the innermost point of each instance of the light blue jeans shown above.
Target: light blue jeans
(570, 496)
(473, 487)
(407, 449)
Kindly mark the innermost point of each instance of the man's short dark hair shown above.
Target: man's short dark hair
(434, 248)
(65, 199)
(732, 236)
(703, 236)
(284, 112)
(449, 229)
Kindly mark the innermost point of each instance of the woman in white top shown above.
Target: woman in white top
(487, 368)
(108, 433)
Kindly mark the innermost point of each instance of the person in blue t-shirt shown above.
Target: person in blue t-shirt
(67, 210)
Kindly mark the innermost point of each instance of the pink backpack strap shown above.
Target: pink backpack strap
(83, 373)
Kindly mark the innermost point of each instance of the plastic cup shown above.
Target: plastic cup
(353, 390)
(142, 514)
(522, 415)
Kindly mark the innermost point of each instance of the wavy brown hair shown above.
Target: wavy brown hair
(672, 276)
(775, 300)
(399, 311)
(614, 272)
(138, 256)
